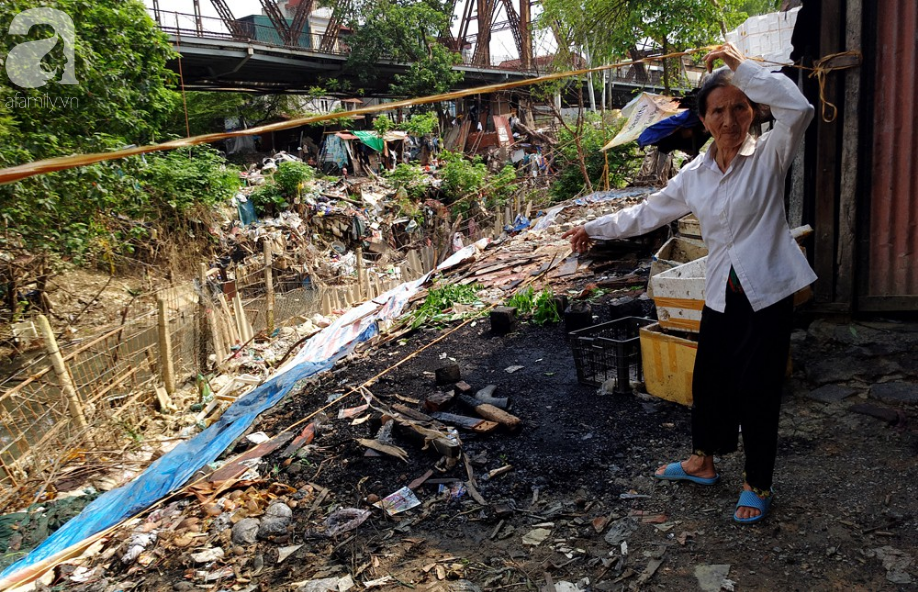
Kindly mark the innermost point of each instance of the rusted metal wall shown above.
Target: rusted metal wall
(892, 274)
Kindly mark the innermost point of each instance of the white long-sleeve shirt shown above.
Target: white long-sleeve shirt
(741, 211)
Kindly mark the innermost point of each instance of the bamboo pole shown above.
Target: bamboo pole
(60, 369)
(269, 288)
(240, 319)
(166, 369)
(230, 325)
(202, 318)
(361, 276)
(217, 335)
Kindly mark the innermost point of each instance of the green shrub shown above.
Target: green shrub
(268, 199)
(411, 178)
(180, 179)
(290, 177)
(382, 124)
(501, 187)
(422, 124)
(460, 176)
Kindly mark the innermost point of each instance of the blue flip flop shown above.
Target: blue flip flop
(748, 499)
(675, 472)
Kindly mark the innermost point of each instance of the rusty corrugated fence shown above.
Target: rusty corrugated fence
(892, 272)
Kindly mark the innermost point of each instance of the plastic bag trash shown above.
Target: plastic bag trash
(258, 437)
(208, 555)
(343, 520)
(136, 545)
(401, 500)
(621, 529)
(536, 537)
(456, 490)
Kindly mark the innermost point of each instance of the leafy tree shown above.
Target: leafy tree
(407, 32)
(613, 29)
(429, 74)
(383, 124)
(121, 97)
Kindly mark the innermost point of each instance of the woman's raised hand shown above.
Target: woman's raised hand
(727, 52)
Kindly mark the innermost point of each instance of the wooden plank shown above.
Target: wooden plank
(411, 413)
(569, 267)
(847, 215)
(826, 161)
(470, 423)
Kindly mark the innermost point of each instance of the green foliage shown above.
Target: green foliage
(545, 309)
(541, 306)
(522, 301)
(592, 134)
(608, 30)
(461, 177)
(501, 187)
(268, 199)
(290, 177)
(422, 124)
(411, 178)
(122, 97)
(429, 74)
(403, 31)
(382, 124)
(437, 307)
(176, 181)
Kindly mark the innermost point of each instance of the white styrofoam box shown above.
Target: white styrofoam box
(679, 295)
(767, 36)
(675, 252)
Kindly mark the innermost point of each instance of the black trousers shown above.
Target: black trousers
(739, 371)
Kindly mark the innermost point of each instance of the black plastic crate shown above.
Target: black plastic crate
(610, 351)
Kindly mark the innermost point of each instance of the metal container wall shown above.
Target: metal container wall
(892, 276)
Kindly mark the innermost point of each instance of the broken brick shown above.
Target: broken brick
(503, 320)
(438, 401)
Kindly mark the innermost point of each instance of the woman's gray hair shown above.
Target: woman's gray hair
(720, 78)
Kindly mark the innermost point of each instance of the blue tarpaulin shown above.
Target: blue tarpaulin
(172, 470)
(665, 128)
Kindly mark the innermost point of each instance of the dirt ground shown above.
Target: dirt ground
(580, 486)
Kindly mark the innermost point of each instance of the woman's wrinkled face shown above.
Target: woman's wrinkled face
(728, 118)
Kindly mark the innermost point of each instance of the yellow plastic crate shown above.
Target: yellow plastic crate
(669, 364)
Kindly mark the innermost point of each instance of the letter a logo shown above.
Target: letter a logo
(23, 64)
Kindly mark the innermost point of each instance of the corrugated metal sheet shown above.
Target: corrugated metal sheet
(893, 261)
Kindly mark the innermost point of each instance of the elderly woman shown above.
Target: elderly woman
(736, 190)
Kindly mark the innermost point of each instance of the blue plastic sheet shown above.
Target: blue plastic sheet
(174, 469)
(667, 127)
(246, 211)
